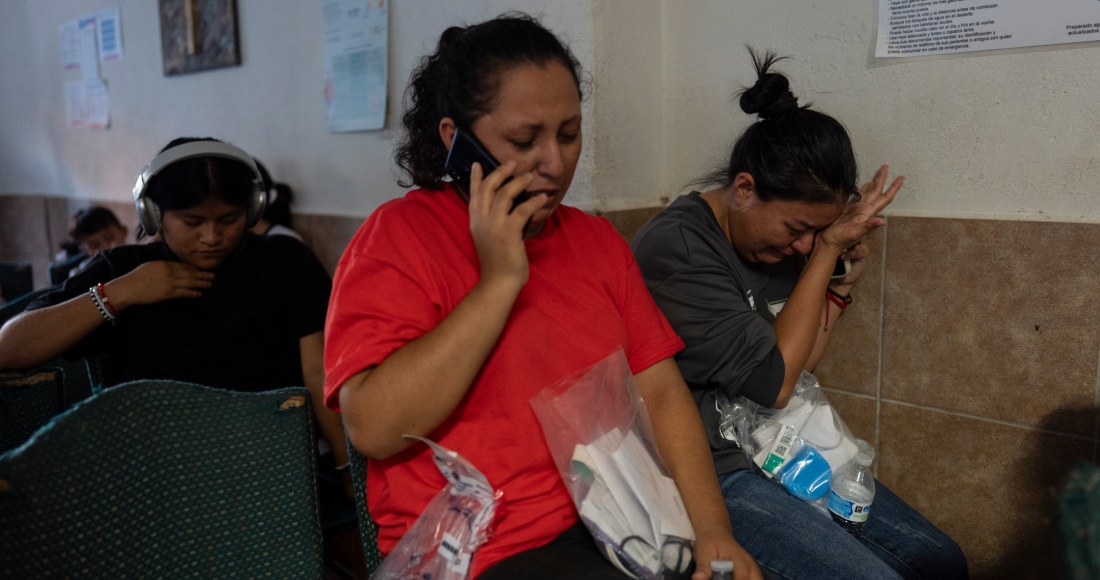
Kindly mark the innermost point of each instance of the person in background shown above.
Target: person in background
(276, 220)
(207, 302)
(451, 310)
(743, 271)
(91, 231)
(96, 229)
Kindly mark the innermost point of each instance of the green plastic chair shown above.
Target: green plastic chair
(16, 280)
(1079, 506)
(368, 529)
(164, 479)
(16, 307)
(59, 271)
(28, 400)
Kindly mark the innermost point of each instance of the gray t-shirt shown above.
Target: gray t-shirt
(722, 307)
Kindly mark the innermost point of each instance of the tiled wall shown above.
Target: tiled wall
(969, 359)
(31, 227)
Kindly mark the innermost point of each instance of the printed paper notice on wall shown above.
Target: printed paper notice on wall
(70, 52)
(110, 34)
(87, 105)
(87, 55)
(356, 47)
(930, 27)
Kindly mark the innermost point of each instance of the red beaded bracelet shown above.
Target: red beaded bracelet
(106, 303)
(841, 301)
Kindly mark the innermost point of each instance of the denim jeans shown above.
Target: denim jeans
(794, 541)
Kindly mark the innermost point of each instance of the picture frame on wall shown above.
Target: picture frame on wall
(198, 35)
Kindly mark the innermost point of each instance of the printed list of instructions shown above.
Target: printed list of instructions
(924, 27)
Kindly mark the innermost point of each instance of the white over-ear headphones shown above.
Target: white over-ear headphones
(149, 214)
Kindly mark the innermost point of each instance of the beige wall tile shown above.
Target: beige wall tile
(999, 319)
(859, 413)
(629, 221)
(328, 235)
(988, 485)
(57, 222)
(851, 360)
(24, 235)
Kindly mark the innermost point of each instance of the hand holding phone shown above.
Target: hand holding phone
(841, 269)
(464, 152)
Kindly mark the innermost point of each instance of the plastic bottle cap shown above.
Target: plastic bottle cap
(866, 454)
(721, 566)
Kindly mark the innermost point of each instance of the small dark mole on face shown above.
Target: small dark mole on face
(1036, 328)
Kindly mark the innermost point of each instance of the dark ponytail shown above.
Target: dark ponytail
(460, 79)
(793, 153)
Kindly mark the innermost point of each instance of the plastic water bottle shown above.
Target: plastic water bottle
(721, 570)
(852, 491)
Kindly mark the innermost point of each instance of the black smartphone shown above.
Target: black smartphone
(465, 150)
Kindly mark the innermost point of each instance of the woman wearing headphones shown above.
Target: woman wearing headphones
(207, 302)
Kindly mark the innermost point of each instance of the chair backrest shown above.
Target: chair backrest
(368, 530)
(165, 479)
(1079, 507)
(28, 400)
(15, 279)
(59, 271)
(16, 307)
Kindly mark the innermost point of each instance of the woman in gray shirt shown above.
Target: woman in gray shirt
(743, 271)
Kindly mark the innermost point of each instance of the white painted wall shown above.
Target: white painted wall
(271, 105)
(1010, 135)
(626, 91)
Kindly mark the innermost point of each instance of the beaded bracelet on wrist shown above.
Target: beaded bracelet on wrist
(100, 306)
(102, 292)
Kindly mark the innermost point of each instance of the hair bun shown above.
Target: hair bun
(771, 95)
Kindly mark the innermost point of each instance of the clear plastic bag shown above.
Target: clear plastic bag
(599, 434)
(774, 439)
(440, 545)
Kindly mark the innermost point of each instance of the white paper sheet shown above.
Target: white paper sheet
(87, 53)
(356, 47)
(110, 34)
(909, 28)
(632, 506)
(87, 105)
(67, 34)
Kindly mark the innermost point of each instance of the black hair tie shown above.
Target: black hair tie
(782, 104)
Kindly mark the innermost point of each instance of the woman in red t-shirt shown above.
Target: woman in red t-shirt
(449, 312)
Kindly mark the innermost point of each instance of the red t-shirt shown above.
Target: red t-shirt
(407, 267)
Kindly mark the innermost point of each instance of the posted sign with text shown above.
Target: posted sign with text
(929, 27)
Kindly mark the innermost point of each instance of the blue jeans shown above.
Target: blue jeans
(794, 541)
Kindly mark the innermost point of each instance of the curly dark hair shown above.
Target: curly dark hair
(460, 80)
(793, 153)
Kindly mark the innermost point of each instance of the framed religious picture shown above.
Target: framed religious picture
(198, 35)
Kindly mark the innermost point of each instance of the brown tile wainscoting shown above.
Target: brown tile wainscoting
(969, 358)
(970, 355)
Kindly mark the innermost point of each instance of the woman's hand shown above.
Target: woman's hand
(857, 255)
(158, 281)
(497, 229)
(861, 217)
(723, 547)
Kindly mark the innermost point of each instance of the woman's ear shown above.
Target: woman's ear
(447, 131)
(744, 190)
